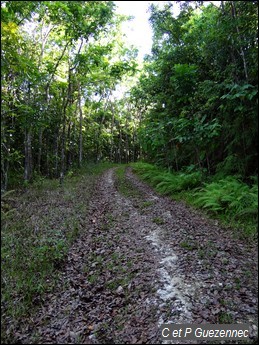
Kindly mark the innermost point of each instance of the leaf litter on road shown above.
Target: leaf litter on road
(143, 260)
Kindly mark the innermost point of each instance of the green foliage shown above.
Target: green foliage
(188, 245)
(61, 61)
(225, 318)
(171, 183)
(27, 262)
(158, 220)
(167, 183)
(246, 91)
(232, 164)
(231, 197)
(198, 89)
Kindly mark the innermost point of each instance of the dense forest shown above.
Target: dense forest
(198, 91)
(194, 104)
(61, 60)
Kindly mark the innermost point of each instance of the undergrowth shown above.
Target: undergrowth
(39, 224)
(165, 182)
(124, 186)
(228, 199)
(233, 200)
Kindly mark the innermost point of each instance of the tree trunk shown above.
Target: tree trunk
(28, 169)
(198, 157)
(28, 155)
(80, 153)
(120, 144)
(175, 157)
(56, 150)
(4, 167)
(111, 141)
(5, 148)
(40, 150)
(63, 134)
(63, 147)
(242, 53)
(127, 142)
(68, 160)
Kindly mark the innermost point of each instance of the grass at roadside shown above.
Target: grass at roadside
(39, 225)
(227, 199)
(123, 184)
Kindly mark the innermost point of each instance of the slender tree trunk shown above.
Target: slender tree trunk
(141, 155)
(4, 174)
(68, 161)
(80, 153)
(133, 143)
(28, 168)
(99, 153)
(44, 39)
(63, 134)
(242, 53)
(97, 145)
(5, 148)
(222, 6)
(112, 141)
(198, 157)
(56, 150)
(4, 166)
(28, 155)
(120, 144)
(40, 150)
(56, 66)
(126, 142)
(63, 144)
(47, 165)
(63, 147)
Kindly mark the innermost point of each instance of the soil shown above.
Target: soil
(144, 260)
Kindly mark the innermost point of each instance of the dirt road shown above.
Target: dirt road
(145, 260)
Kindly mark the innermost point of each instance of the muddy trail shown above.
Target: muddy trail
(145, 260)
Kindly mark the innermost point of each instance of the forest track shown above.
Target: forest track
(145, 260)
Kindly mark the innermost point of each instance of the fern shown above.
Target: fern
(229, 196)
(166, 187)
(189, 181)
(6, 194)
(167, 182)
(248, 212)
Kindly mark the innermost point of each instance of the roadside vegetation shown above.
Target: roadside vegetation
(39, 224)
(228, 199)
(123, 184)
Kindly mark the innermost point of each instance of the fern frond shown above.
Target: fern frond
(6, 194)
